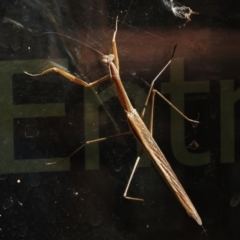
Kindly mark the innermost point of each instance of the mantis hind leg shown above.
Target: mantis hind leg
(130, 179)
(87, 143)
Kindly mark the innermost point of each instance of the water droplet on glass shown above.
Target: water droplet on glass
(35, 179)
(133, 73)
(3, 178)
(32, 145)
(26, 17)
(96, 220)
(15, 222)
(31, 131)
(23, 229)
(8, 203)
(235, 200)
(117, 165)
(15, 45)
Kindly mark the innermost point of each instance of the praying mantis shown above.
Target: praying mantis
(136, 125)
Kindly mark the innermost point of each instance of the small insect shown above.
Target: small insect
(136, 125)
(179, 10)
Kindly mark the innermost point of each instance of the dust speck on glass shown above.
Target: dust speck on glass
(47, 118)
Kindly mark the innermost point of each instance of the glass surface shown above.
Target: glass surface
(46, 118)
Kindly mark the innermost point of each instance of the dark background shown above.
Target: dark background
(84, 204)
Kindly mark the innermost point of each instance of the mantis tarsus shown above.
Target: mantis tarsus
(137, 126)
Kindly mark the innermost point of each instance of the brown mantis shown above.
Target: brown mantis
(136, 125)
